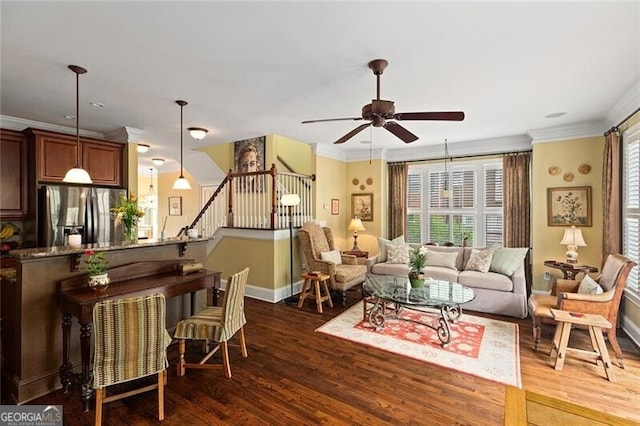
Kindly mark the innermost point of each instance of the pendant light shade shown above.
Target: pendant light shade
(77, 174)
(181, 182)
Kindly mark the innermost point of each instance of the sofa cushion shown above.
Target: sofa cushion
(507, 260)
(398, 253)
(346, 274)
(480, 260)
(382, 246)
(332, 256)
(444, 259)
(441, 273)
(397, 269)
(488, 280)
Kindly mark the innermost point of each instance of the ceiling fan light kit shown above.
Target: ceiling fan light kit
(379, 111)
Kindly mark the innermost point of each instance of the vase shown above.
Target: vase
(416, 279)
(99, 281)
(131, 234)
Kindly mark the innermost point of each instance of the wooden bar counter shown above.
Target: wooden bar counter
(32, 330)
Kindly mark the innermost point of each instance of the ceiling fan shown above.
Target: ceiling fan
(380, 110)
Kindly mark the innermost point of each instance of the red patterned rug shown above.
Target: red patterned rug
(479, 346)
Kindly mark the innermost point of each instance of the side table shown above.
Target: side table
(319, 280)
(594, 323)
(570, 270)
(357, 253)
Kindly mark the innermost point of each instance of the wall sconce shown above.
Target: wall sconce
(573, 239)
(181, 182)
(157, 161)
(355, 225)
(143, 147)
(197, 132)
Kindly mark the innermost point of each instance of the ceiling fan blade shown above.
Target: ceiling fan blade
(332, 119)
(400, 131)
(352, 133)
(436, 115)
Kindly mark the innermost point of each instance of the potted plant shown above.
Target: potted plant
(417, 262)
(128, 213)
(96, 264)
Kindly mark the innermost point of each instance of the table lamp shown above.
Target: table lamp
(573, 239)
(355, 225)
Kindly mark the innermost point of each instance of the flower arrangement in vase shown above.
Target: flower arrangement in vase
(96, 264)
(128, 213)
(417, 262)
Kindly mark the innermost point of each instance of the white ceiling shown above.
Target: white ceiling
(255, 68)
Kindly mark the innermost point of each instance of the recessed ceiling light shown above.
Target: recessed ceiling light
(143, 147)
(158, 161)
(70, 117)
(555, 115)
(366, 142)
(97, 104)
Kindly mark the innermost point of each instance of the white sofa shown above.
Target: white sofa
(496, 293)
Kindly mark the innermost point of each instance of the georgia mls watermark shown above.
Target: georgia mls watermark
(30, 415)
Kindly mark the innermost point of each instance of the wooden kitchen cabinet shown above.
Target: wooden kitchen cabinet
(56, 154)
(14, 175)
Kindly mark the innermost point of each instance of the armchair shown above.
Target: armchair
(316, 240)
(564, 296)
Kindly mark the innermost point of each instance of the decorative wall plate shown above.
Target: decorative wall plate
(355, 181)
(362, 187)
(554, 170)
(584, 168)
(369, 181)
(568, 177)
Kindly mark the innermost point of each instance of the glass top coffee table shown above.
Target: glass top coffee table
(392, 294)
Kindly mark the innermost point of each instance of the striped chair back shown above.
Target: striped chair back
(233, 305)
(130, 339)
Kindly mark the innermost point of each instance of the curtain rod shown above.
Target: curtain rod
(615, 128)
(461, 157)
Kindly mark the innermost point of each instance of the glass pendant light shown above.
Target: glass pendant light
(151, 194)
(446, 192)
(181, 182)
(77, 174)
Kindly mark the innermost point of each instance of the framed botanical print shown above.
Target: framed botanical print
(175, 206)
(335, 206)
(569, 206)
(362, 206)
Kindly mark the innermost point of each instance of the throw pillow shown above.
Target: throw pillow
(382, 247)
(398, 253)
(506, 261)
(480, 260)
(589, 286)
(441, 258)
(332, 256)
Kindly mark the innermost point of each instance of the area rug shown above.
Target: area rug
(479, 346)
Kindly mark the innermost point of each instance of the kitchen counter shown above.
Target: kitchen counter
(40, 252)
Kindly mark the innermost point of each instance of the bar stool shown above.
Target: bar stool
(314, 291)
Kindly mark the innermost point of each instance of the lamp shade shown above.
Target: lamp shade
(290, 200)
(355, 225)
(573, 236)
(197, 132)
(77, 175)
(181, 183)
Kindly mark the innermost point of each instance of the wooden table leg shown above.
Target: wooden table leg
(316, 285)
(555, 343)
(66, 369)
(604, 353)
(303, 294)
(87, 376)
(327, 294)
(562, 348)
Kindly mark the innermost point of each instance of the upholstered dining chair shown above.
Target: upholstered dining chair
(564, 296)
(345, 271)
(218, 324)
(130, 343)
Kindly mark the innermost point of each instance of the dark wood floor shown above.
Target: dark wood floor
(295, 376)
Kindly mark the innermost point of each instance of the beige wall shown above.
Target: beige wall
(330, 178)
(190, 202)
(567, 155)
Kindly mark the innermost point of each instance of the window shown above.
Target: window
(474, 209)
(631, 201)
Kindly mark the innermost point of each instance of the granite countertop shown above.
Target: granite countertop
(41, 252)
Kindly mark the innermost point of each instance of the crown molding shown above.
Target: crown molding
(366, 154)
(19, 124)
(627, 105)
(124, 134)
(329, 151)
(574, 131)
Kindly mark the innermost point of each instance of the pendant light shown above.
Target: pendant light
(446, 192)
(181, 182)
(151, 195)
(77, 174)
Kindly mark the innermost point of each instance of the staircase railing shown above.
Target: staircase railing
(252, 200)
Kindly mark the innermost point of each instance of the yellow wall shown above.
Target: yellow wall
(297, 155)
(567, 155)
(330, 178)
(377, 172)
(190, 202)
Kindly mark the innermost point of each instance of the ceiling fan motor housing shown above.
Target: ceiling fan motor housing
(378, 110)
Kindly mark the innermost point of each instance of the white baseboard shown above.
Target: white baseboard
(632, 329)
(266, 294)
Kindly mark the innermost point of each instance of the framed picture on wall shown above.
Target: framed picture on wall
(362, 206)
(335, 206)
(175, 206)
(569, 206)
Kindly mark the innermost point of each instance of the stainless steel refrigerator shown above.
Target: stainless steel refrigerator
(88, 209)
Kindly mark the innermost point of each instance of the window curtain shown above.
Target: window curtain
(611, 195)
(397, 199)
(517, 204)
